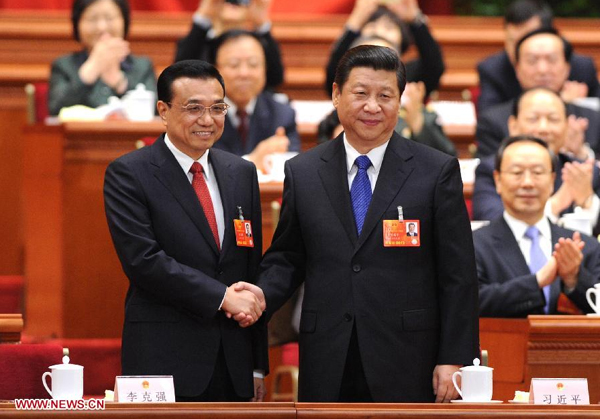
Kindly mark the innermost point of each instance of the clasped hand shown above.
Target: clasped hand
(244, 302)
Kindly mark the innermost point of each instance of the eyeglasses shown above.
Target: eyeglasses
(196, 110)
(518, 174)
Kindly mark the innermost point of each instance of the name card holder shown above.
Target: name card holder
(559, 391)
(144, 389)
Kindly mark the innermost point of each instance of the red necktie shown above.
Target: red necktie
(201, 189)
(243, 126)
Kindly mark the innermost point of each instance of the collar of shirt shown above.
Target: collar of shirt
(375, 155)
(186, 161)
(232, 112)
(518, 229)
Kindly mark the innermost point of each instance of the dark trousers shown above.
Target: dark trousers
(354, 387)
(220, 388)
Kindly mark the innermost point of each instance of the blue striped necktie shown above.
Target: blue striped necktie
(537, 260)
(360, 192)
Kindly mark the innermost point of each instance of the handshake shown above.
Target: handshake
(244, 302)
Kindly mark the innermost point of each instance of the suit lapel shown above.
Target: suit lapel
(396, 168)
(334, 176)
(227, 187)
(169, 173)
(505, 239)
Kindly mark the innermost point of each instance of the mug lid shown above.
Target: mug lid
(65, 365)
(476, 366)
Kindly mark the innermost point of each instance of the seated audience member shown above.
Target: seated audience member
(213, 17)
(497, 79)
(105, 66)
(400, 23)
(256, 124)
(525, 263)
(542, 60)
(540, 112)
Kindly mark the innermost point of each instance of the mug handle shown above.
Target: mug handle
(44, 382)
(454, 381)
(588, 296)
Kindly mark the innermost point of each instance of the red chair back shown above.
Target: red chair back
(41, 101)
(22, 366)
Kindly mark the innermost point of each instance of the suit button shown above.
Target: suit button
(221, 273)
(347, 317)
(356, 268)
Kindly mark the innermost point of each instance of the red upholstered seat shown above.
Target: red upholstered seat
(22, 366)
(289, 354)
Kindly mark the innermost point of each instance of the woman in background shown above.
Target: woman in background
(105, 66)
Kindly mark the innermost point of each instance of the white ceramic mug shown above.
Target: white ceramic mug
(576, 221)
(595, 303)
(476, 384)
(139, 104)
(67, 381)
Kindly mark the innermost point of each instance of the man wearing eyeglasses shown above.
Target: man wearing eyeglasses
(542, 113)
(526, 264)
(171, 209)
(258, 124)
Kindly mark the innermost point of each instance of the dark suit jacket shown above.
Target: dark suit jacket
(268, 115)
(66, 88)
(177, 278)
(196, 45)
(413, 308)
(498, 82)
(492, 127)
(487, 204)
(506, 286)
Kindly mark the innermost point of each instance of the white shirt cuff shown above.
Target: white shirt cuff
(258, 374)
(202, 21)
(593, 211)
(223, 300)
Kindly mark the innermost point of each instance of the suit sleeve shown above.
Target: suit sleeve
(65, 87)
(589, 275)
(194, 46)
(283, 267)
(488, 90)
(487, 204)
(429, 67)
(260, 340)
(146, 265)
(291, 131)
(488, 133)
(456, 273)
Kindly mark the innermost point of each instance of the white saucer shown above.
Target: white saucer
(518, 402)
(470, 402)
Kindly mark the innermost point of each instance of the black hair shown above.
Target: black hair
(370, 56)
(79, 7)
(521, 11)
(327, 127)
(194, 69)
(407, 38)
(522, 139)
(567, 48)
(229, 36)
(516, 108)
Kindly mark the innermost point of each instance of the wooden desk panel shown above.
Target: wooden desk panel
(310, 410)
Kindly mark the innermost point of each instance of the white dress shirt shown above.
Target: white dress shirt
(376, 157)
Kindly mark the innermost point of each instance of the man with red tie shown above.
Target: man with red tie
(173, 211)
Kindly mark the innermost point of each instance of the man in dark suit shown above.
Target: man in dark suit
(541, 113)
(542, 61)
(411, 230)
(215, 16)
(526, 264)
(383, 322)
(257, 123)
(171, 209)
(497, 79)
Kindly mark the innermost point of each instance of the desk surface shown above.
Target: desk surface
(321, 410)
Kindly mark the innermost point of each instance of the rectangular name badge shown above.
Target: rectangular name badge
(243, 233)
(401, 233)
(144, 389)
(559, 391)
